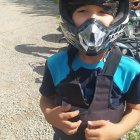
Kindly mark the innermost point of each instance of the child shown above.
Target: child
(85, 86)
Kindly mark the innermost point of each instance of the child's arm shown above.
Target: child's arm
(105, 130)
(58, 116)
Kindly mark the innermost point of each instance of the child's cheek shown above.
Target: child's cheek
(107, 21)
(79, 20)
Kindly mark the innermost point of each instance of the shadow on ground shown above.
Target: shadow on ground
(39, 69)
(59, 38)
(37, 51)
(37, 7)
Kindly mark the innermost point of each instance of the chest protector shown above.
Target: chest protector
(69, 91)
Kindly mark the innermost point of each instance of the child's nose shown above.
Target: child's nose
(95, 16)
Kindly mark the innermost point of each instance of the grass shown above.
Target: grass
(134, 134)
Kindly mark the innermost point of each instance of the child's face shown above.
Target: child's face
(84, 13)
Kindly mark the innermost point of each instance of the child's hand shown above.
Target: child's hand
(59, 117)
(101, 130)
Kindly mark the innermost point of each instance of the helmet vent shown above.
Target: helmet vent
(92, 38)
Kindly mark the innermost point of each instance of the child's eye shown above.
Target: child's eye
(82, 11)
(103, 12)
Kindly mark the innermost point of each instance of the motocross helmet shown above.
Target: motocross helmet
(92, 37)
(135, 4)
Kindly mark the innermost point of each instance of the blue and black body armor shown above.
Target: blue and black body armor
(69, 91)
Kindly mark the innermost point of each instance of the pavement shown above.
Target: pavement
(28, 36)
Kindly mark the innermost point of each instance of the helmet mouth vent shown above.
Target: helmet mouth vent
(92, 37)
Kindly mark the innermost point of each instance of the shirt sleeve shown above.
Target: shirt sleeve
(47, 87)
(133, 94)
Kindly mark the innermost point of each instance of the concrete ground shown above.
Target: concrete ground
(28, 35)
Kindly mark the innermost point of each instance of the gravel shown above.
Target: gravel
(28, 37)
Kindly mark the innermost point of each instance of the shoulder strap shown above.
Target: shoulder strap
(72, 51)
(112, 61)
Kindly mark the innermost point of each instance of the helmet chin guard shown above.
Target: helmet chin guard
(92, 37)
